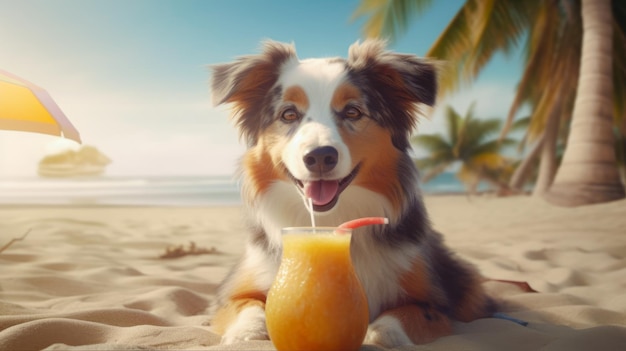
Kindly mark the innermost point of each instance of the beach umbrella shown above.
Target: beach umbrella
(27, 107)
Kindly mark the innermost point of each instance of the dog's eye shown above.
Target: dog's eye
(352, 113)
(290, 115)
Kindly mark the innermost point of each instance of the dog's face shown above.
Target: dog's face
(326, 125)
(320, 115)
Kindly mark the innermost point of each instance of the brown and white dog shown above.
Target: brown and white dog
(337, 131)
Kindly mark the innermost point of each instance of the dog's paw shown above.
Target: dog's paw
(243, 335)
(386, 332)
(250, 325)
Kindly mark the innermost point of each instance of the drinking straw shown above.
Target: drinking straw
(359, 222)
(311, 212)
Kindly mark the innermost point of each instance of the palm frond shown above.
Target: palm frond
(479, 30)
(431, 142)
(451, 47)
(507, 142)
(500, 23)
(389, 18)
(454, 124)
(491, 147)
(520, 124)
(539, 54)
(478, 131)
(551, 73)
(467, 122)
(487, 161)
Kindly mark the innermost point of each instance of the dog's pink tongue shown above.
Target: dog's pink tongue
(321, 191)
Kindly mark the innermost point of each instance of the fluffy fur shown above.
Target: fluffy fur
(337, 130)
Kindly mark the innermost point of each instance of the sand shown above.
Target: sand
(91, 278)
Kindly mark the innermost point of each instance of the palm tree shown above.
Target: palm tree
(471, 142)
(548, 83)
(588, 172)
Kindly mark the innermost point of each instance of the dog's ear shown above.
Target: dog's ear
(246, 83)
(396, 85)
(414, 76)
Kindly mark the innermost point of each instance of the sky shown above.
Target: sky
(133, 75)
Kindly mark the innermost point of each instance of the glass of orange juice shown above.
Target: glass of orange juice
(316, 301)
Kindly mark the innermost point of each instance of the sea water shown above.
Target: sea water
(151, 190)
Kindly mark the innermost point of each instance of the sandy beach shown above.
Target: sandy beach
(91, 277)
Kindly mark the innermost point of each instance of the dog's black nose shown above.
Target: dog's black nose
(322, 159)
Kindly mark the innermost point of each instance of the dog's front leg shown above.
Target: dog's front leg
(406, 325)
(241, 320)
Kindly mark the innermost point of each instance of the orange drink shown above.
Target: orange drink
(316, 301)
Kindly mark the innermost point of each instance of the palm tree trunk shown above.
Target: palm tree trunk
(588, 173)
(620, 150)
(547, 163)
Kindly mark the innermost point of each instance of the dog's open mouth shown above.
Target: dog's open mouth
(324, 193)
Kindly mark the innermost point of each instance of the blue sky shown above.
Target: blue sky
(132, 75)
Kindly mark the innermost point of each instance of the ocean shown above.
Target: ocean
(149, 191)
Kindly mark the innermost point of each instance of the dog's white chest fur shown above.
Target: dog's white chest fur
(379, 270)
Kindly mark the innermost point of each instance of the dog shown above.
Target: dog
(337, 131)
